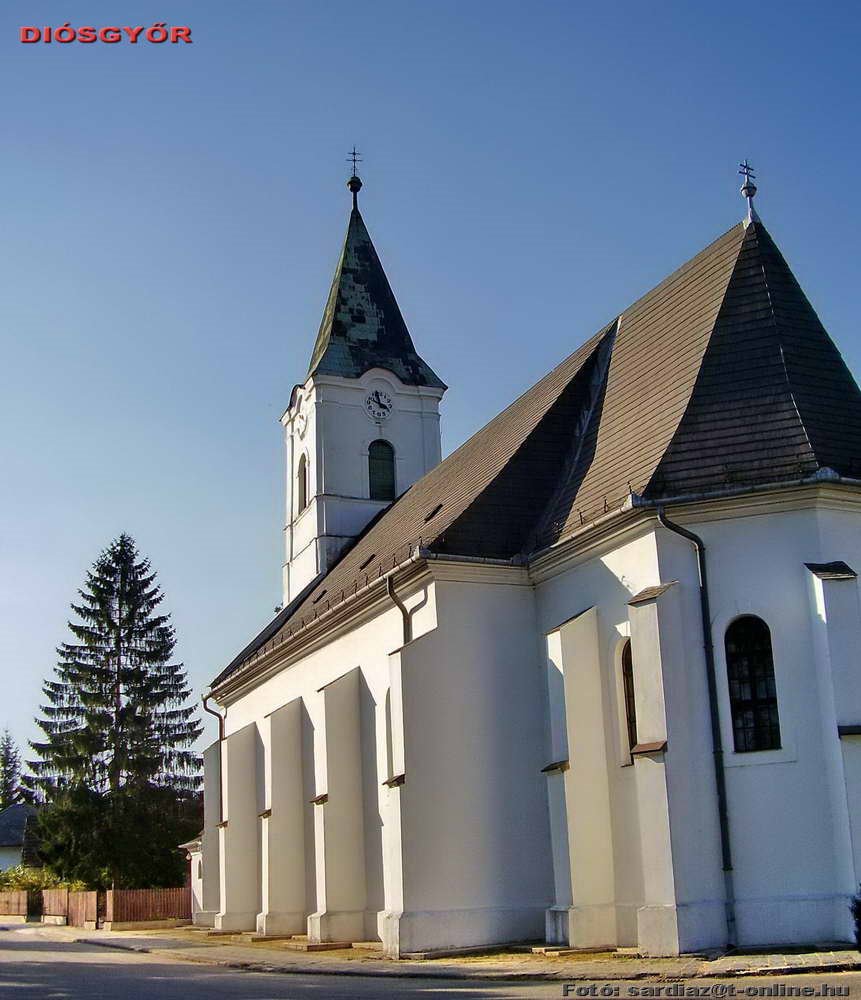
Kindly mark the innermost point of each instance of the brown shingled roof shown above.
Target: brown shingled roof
(720, 376)
(773, 399)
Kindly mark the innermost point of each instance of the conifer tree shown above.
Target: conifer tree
(118, 730)
(10, 771)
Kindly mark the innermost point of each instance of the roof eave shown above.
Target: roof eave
(276, 654)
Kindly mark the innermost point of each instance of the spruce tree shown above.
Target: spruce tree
(10, 771)
(118, 729)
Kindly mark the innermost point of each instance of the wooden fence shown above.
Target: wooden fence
(55, 902)
(13, 904)
(92, 909)
(83, 909)
(132, 905)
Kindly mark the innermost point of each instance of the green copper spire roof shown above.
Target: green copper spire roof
(362, 325)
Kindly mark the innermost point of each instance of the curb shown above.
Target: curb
(568, 975)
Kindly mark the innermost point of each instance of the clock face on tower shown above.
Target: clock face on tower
(378, 404)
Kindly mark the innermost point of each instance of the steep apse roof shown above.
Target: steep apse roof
(721, 377)
(362, 325)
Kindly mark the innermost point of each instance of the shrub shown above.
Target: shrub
(34, 880)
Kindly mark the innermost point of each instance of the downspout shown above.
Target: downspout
(408, 625)
(717, 742)
(220, 718)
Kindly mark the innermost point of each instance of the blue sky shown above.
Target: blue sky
(171, 216)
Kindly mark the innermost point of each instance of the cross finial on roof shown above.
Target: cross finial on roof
(748, 189)
(354, 183)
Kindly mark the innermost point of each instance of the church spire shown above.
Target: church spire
(362, 326)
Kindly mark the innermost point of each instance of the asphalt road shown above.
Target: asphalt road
(34, 962)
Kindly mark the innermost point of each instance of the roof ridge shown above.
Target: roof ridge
(598, 387)
(545, 435)
(755, 225)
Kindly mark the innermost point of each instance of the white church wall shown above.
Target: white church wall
(606, 580)
(239, 841)
(556, 729)
(473, 813)
(591, 913)
(195, 879)
(837, 624)
(283, 850)
(209, 902)
(789, 883)
(783, 816)
(363, 654)
(339, 815)
(477, 845)
(684, 894)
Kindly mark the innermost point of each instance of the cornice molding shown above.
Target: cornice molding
(453, 570)
(827, 496)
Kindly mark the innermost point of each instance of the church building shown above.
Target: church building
(589, 680)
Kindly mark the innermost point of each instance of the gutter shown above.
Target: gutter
(429, 556)
(717, 742)
(220, 717)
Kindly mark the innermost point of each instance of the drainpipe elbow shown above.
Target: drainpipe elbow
(408, 626)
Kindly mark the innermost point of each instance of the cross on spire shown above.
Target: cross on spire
(748, 189)
(354, 184)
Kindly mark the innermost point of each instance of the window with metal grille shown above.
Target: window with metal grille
(381, 470)
(628, 686)
(752, 691)
(302, 485)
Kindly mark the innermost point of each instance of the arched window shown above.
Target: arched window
(302, 485)
(381, 470)
(752, 692)
(628, 688)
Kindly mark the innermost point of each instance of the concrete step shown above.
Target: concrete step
(253, 936)
(294, 942)
(316, 945)
(368, 945)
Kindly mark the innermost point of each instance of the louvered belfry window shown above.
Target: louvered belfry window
(752, 691)
(628, 686)
(381, 470)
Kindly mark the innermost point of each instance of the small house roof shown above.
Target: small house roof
(13, 824)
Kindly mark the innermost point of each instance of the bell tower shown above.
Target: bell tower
(364, 426)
